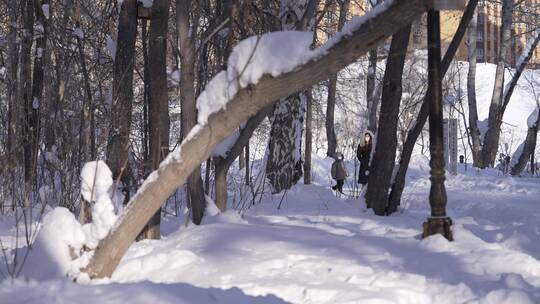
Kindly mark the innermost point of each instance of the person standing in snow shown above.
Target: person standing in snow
(339, 172)
(363, 153)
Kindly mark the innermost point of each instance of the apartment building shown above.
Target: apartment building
(526, 20)
(488, 36)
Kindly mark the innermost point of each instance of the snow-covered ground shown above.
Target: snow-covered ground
(317, 248)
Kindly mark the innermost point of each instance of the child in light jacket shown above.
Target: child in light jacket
(339, 172)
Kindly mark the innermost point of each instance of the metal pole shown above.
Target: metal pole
(438, 223)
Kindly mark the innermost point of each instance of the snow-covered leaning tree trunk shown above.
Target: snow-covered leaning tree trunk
(496, 109)
(247, 102)
(284, 163)
(471, 90)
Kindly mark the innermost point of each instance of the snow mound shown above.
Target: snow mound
(63, 242)
(60, 236)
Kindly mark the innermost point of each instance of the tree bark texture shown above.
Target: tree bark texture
(471, 91)
(158, 103)
(371, 91)
(329, 122)
(122, 96)
(496, 112)
(25, 90)
(309, 138)
(195, 194)
(382, 164)
(222, 164)
(284, 163)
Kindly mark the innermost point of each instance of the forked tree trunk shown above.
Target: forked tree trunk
(496, 112)
(382, 165)
(245, 104)
(412, 135)
(195, 193)
(471, 91)
(158, 103)
(223, 163)
(522, 63)
(529, 145)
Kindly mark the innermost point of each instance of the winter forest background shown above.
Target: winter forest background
(179, 151)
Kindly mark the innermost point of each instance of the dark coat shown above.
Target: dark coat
(363, 153)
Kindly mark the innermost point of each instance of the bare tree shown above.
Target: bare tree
(25, 91)
(471, 90)
(158, 103)
(332, 85)
(186, 46)
(496, 108)
(122, 94)
(372, 92)
(382, 165)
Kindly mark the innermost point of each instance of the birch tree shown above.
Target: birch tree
(471, 90)
(284, 163)
(496, 108)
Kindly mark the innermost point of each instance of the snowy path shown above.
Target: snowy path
(321, 249)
